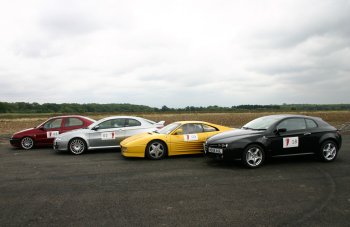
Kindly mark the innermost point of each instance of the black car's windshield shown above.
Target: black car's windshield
(169, 128)
(261, 123)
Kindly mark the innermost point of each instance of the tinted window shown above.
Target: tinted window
(73, 121)
(54, 123)
(207, 128)
(293, 124)
(113, 123)
(192, 128)
(311, 123)
(132, 123)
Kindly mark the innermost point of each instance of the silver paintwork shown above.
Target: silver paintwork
(93, 134)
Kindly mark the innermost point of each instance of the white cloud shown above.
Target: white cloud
(175, 53)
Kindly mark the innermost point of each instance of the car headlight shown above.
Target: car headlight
(222, 145)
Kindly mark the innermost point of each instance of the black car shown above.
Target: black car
(276, 135)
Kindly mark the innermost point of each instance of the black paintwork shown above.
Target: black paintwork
(310, 139)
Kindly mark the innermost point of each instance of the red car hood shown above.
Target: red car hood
(26, 132)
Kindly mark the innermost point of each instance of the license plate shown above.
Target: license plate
(215, 150)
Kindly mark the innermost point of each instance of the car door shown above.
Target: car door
(108, 133)
(312, 136)
(49, 131)
(188, 138)
(291, 139)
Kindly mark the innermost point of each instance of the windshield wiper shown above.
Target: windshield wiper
(247, 128)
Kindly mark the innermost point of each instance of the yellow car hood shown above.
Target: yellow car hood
(140, 137)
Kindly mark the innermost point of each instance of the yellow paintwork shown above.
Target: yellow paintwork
(135, 146)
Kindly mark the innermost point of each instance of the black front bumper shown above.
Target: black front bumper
(227, 154)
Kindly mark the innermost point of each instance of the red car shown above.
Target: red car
(45, 133)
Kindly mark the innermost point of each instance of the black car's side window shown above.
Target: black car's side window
(311, 123)
(293, 124)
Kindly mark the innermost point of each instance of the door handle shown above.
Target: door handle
(307, 133)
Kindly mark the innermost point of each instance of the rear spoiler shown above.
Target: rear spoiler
(160, 124)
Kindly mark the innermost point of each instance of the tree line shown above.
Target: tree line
(25, 107)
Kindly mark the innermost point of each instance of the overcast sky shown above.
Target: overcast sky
(175, 53)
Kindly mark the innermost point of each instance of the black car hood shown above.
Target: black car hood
(233, 133)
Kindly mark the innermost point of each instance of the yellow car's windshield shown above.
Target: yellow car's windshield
(168, 129)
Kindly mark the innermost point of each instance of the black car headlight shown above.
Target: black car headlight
(222, 145)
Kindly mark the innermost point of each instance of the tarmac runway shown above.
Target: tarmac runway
(42, 187)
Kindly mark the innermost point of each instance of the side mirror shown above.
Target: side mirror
(41, 127)
(96, 127)
(179, 132)
(280, 130)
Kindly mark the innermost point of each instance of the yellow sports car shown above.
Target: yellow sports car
(178, 138)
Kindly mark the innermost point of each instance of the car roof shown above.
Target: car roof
(116, 117)
(186, 122)
(282, 116)
(73, 116)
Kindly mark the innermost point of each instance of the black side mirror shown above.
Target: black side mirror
(41, 128)
(96, 127)
(280, 130)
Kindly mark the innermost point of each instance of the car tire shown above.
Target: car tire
(156, 150)
(253, 156)
(328, 151)
(77, 146)
(27, 143)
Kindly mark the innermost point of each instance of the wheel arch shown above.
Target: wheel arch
(24, 136)
(78, 137)
(329, 139)
(256, 143)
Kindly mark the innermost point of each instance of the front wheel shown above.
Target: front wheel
(156, 150)
(27, 143)
(77, 146)
(253, 156)
(329, 151)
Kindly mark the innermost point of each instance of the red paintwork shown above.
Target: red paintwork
(39, 134)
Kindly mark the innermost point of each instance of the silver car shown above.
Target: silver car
(105, 133)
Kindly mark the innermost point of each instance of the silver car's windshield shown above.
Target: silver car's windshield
(168, 129)
(261, 123)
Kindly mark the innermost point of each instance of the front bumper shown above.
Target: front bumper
(60, 145)
(16, 142)
(227, 153)
(133, 151)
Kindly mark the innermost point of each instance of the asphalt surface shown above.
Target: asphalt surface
(42, 187)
